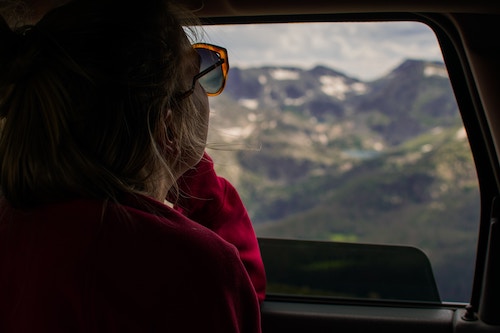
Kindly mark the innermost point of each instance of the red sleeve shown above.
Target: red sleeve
(213, 202)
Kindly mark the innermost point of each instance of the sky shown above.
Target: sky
(365, 51)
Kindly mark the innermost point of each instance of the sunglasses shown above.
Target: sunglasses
(214, 65)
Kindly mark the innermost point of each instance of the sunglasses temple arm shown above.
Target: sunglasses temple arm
(208, 69)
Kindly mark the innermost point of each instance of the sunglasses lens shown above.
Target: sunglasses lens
(213, 81)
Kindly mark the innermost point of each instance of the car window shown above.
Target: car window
(346, 144)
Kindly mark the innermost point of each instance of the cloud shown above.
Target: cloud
(363, 50)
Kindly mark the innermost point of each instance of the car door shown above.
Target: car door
(324, 278)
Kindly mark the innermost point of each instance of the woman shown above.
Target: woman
(103, 117)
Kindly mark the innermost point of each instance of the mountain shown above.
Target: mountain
(321, 121)
(318, 155)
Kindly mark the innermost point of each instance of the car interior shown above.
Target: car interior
(387, 219)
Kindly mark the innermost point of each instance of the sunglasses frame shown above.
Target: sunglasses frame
(223, 62)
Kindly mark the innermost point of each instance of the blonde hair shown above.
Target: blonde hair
(84, 97)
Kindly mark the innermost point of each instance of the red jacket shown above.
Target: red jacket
(82, 266)
(213, 202)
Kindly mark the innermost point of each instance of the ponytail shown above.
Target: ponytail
(35, 109)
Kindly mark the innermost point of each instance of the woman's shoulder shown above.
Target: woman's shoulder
(137, 226)
(148, 218)
(146, 228)
(171, 258)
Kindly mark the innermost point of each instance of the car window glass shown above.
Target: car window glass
(348, 133)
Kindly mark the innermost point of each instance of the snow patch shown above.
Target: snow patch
(461, 134)
(334, 86)
(294, 101)
(431, 70)
(248, 103)
(285, 74)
